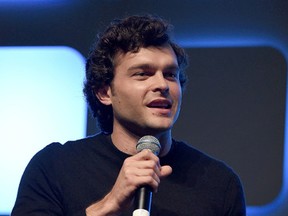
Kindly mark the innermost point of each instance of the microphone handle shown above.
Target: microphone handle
(142, 202)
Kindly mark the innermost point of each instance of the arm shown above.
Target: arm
(37, 193)
(141, 169)
(235, 200)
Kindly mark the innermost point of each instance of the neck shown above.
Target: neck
(126, 141)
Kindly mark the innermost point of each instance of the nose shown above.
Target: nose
(161, 84)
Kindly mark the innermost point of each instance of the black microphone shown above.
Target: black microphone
(143, 196)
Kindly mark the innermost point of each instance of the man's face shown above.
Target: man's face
(145, 93)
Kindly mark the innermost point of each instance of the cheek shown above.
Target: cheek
(176, 92)
(136, 91)
(129, 97)
(177, 98)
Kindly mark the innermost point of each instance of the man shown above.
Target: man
(134, 82)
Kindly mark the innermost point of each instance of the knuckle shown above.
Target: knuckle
(150, 173)
(150, 180)
(153, 164)
(146, 153)
(126, 162)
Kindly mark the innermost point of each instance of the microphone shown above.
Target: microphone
(143, 196)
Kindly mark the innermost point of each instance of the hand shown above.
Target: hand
(141, 169)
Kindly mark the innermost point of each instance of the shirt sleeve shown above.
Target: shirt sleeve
(38, 192)
(235, 200)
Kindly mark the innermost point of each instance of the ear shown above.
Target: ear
(103, 95)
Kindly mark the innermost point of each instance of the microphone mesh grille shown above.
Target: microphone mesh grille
(148, 142)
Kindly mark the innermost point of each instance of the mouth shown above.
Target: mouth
(160, 104)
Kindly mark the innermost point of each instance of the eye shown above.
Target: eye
(142, 75)
(172, 74)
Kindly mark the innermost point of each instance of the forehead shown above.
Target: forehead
(158, 56)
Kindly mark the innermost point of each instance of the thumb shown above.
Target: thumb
(165, 171)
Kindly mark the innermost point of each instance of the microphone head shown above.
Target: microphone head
(148, 142)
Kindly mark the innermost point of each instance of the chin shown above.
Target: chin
(156, 129)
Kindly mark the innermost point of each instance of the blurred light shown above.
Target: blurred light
(202, 41)
(33, 2)
(41, 102)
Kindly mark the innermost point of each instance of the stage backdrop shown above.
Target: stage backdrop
(234, 107)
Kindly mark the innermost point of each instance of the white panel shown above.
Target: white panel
(41, 102)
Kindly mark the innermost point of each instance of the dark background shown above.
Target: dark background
(234, 104)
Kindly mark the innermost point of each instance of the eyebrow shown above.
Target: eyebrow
(151, 66)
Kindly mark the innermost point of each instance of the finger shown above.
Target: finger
(148, 169)
(138, 169)
(152, 181)
(146, 154)
(165, 171)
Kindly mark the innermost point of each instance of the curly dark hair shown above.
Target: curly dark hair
(125, 35)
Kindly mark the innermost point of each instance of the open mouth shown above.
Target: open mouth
(160, 104)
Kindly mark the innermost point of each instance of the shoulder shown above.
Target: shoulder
(71, 150)
(202, 172)
(56, 158)
(197, 159)
(84, 143)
